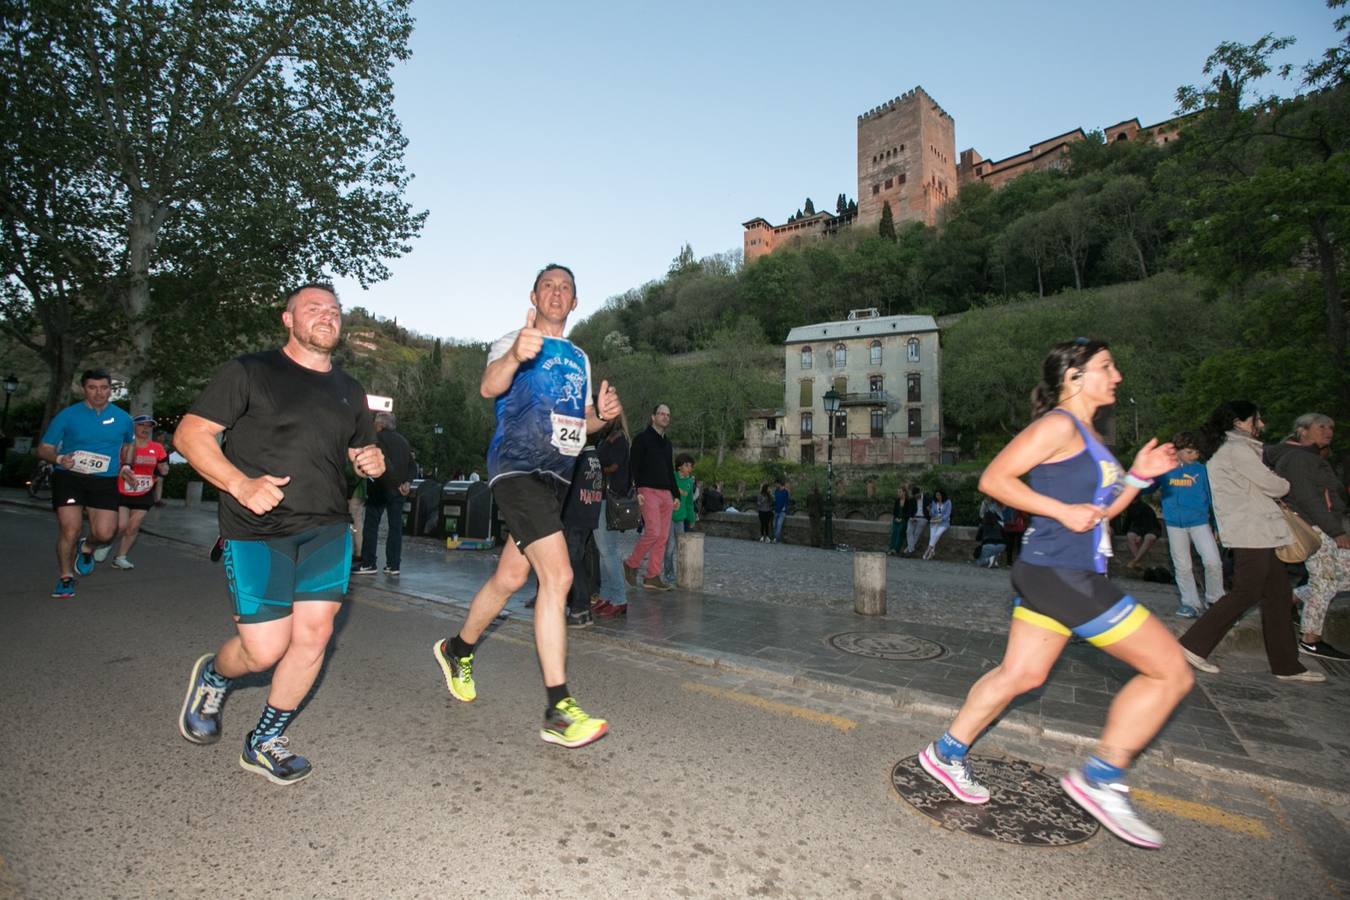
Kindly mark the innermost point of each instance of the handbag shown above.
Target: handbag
(622, 513)
(1304, 541)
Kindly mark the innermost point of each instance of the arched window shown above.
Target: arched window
(806, 357)
(840, 356)
(912, 350)
(874, 353)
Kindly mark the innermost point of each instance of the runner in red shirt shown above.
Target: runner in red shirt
(136, 489)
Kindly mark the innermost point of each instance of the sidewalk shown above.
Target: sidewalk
(947, 624)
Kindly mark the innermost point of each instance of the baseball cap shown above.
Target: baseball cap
(144, 420)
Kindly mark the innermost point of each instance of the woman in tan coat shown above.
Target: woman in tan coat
(1252, 526)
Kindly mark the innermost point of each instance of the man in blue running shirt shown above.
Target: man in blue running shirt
(541, 384)
(89, 445)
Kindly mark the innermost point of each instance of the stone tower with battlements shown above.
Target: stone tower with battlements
(907, 157)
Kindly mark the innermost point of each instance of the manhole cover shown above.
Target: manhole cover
(886, 645)
(1026, 806)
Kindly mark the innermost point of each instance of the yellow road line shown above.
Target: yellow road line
(773, 706)
(1200, 812)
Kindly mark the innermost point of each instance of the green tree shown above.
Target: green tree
(886, 229)
(257, 128)
(809, 208)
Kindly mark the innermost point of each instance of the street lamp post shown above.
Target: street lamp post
(831, 401)
(11, 385)
(436, 469)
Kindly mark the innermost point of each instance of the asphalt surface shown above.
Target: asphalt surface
(710, 784)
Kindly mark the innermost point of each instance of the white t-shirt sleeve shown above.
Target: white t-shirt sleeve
(501, 346)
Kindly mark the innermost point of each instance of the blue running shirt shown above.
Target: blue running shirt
(1090, 476)
(94, 437)
(541, 419)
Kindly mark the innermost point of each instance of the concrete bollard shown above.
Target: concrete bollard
(193, 497)
(869, 584)
(689, 560)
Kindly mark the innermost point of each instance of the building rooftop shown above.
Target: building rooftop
(857, 328)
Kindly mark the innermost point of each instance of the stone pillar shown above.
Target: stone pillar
(193, 497)
(689, 560)
(869, 584)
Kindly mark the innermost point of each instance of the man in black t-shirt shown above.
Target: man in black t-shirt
(293, 421)
(386, 495)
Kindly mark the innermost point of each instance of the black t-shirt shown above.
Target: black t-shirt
(283, 419)
(397, 464)
(615, 453)
(582, 509)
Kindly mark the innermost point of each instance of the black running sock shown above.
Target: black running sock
(460, 647)
(272, 724)
(556, 694)
(212, 677)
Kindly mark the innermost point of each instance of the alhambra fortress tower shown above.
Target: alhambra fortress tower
(907, 157)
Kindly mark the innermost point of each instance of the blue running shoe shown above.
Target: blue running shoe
(199, 721)
(84, 562)
(1186, 612)
(273, 760)
(65, 589)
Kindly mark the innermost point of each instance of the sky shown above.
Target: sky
(605, 136)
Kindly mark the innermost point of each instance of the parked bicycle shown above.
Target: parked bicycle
(40, 484)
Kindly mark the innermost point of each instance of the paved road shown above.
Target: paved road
(710, 785)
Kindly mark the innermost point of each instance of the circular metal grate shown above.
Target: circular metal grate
(886, 645)
(1026, 806)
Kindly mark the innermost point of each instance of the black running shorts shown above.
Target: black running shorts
(531, 505)
(90, 491)
(1071, 601)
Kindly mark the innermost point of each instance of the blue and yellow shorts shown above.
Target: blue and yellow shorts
(266, 577)
(1071, 601)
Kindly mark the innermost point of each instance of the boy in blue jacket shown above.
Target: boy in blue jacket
(1186, 513)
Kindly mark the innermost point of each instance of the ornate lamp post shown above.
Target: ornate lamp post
(831, 401)
(11, 385)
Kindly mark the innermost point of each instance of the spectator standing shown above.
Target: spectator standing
(612, 451)
(815, 513)
(1252, 526)
(385, 495)
(1141, 530)
(916, 506)
(764, 507)
(683, 517)
(899, 520)
(1185, 497)
(149, 463)
(581, 517)
(652, 466)
(939, 520)
(781, 500)
(1317, 495)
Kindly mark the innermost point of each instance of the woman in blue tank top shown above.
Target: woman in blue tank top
(1073, 487)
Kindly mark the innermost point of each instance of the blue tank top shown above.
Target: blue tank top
(1091, 476)
(541, 419)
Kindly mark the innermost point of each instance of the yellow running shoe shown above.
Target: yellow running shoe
(458, 672)
(568, 725)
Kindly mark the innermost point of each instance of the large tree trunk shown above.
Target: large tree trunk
(62, 358)
(141, 239)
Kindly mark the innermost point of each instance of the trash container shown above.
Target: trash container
(469, 510)
(422, 509)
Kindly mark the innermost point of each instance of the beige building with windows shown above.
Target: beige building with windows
(885, 369)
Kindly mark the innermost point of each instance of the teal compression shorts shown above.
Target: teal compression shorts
(267, 577)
